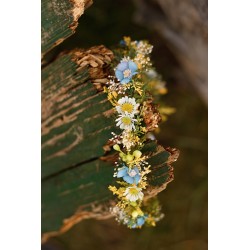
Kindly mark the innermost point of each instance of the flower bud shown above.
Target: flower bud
(124, 158)
(130, 157)
(140, 213)
(133, 203)
(134, 214)
(114, 93)
(116, 147)
(137, 154)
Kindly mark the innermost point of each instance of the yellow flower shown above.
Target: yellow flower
(127, 40)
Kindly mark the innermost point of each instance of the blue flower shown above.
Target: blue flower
(125, 70)
(122, 43)
(140, 220)
(131, 176)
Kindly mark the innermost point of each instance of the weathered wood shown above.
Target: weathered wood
(76, 120)
(82, 192)
(59, 20)
(76, 124)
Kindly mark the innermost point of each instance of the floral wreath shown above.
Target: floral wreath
(130, 92)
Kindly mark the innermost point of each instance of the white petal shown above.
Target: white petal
(118, 109)
(140, 195)
(133, 198)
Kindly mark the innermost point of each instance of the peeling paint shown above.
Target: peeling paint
(79, 137)
(79, 7)
(60, 20)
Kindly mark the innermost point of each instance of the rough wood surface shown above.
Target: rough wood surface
(59, 20)
(82, 192)
(76, 121)
(76, 124)
(184, 27)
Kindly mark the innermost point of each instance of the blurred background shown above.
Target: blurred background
(178, 31)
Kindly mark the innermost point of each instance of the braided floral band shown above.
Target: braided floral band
(136, 116)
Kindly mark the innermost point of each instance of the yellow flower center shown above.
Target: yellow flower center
(133, 191)
(127, 107)
(127, 73)
(126, 120)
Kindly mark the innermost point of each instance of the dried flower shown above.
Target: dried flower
(151, 115)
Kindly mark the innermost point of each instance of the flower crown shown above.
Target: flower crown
(129, 91)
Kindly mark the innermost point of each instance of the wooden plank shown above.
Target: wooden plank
(76, 120)
(59, 20)
(85, 187)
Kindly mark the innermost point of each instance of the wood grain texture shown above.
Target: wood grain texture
(82, 192)
(59, 20)
(76, 118)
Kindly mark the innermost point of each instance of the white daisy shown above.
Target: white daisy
(127, 106)
(125, 122)
(133, 193)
